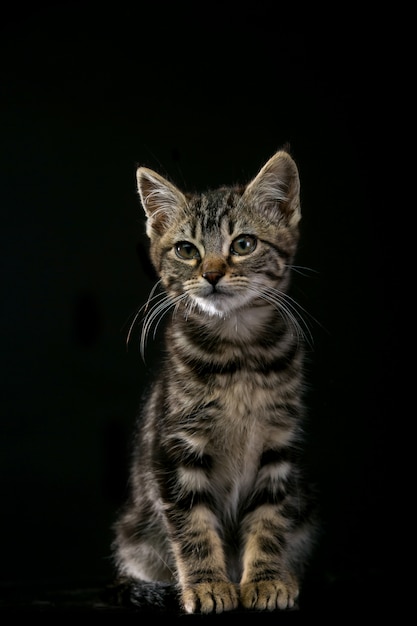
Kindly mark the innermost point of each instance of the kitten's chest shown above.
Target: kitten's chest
(235, 453)
(237, 437)
(242, 399)
(238, 424)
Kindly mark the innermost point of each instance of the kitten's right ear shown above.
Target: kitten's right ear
(160, 200)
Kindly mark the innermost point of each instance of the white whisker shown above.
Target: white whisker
(290, 310)
(155, 315)
(144, 307)
(300, 269)
(131, 327)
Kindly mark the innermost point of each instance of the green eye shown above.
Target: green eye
(186, 250)
(244, 244)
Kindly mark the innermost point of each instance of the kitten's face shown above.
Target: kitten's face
(226, 249)
(224, 255)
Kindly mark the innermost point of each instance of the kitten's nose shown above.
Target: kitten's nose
(213, 277)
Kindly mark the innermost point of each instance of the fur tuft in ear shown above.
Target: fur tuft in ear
(160, 200)
(276, 189)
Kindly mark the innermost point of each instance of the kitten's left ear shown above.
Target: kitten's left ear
(160, 200)
(276, 189)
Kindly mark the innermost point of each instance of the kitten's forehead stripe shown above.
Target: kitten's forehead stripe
(193, 229)
(213, 208)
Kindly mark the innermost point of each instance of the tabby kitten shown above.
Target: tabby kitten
(218, 506)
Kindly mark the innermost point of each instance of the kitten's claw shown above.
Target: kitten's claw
(213, 597)
(268, 595)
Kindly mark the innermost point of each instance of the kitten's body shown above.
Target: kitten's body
(218, 505)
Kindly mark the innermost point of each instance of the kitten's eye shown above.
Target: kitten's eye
(186, 250)
(245, 244)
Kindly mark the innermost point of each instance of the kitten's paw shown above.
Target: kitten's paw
(269, 595)
(214, 597)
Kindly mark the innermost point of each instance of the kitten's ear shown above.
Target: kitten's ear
(160, 200)
(276, 189)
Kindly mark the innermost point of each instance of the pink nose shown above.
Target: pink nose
(213, 277)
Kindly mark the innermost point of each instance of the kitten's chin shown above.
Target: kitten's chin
(221, 305)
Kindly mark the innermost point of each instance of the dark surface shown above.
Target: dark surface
(88, 92)
(318, 601)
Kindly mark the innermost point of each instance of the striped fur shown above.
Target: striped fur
(218, 504)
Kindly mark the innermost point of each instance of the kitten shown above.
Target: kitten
(218, 508)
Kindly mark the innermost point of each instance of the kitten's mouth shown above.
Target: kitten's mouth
(216, 294)
(213, 291)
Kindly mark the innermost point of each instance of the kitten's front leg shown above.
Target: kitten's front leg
(201, 568)
(267, 583)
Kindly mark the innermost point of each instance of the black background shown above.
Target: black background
(204, 93)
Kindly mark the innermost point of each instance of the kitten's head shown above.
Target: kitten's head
(229, 248)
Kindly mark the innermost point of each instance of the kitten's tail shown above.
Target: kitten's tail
(149, 596)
